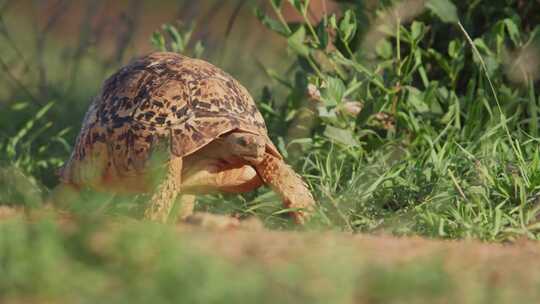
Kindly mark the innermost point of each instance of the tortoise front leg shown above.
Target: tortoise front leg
(249, 165)
(273, 171)
(288, 185)
(166, 192)
(204, 176)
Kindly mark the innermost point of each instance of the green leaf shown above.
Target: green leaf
(178, 43)
(19, 106)
(334, 91)
(296, 42)
(343, 136)
(328, 116)
(483, 47)
(384, 49)
(332, 22)
(441, 60)
(416, 99)
(322, 33)
(158, 41)
(199, 49)
(489, 57)
(454, 48)
(513, 31)
(417, 30)
(347, 26)
(270, 23)
(444, 9)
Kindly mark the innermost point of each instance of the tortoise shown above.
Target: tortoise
(205, 123)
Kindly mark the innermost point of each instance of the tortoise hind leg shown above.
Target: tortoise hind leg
(166, 192)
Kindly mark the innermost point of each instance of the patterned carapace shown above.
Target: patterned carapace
(162, 97)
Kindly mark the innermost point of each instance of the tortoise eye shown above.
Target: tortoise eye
(242, 141)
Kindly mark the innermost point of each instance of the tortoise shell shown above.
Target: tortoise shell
(162, 97)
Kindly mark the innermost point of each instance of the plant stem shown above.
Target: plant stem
(277, 10)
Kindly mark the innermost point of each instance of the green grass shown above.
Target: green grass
(457, 155)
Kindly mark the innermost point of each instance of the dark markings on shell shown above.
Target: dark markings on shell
(156, 97)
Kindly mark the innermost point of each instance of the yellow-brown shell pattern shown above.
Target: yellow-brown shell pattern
(160, 98)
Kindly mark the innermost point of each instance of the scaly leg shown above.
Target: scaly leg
(187, 204)
(210, 175)
(290, 187)
(251, 149)
(213, 175)
(164, 196)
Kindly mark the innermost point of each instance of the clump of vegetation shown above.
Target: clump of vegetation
(414, 121)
